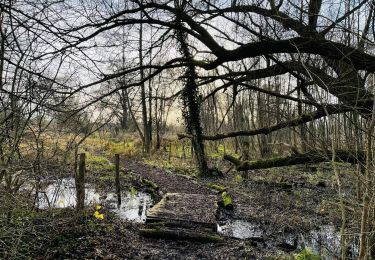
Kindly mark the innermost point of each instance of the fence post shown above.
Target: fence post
(170, 151)
(117, 179)
(80, 182)
(183, 151)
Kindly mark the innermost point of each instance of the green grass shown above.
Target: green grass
(175, 165)
(306, 254)
(95, 162)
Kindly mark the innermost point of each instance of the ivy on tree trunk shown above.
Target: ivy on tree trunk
(191, 104)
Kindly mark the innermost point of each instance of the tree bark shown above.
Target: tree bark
(191, 104)
(309, 157)
(146, 132)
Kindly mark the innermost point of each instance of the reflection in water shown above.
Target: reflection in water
(324, 241)
(239, 229)
(133, 207)
(62, 194)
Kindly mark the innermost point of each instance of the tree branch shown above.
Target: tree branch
(319, 113)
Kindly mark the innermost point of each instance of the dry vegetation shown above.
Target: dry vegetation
(267, 105)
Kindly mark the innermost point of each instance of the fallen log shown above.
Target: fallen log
(217, 187)
(303, 158)
(180, 235)
(156, 224)
(150, 184)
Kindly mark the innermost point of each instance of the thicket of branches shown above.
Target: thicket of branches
(258, 74)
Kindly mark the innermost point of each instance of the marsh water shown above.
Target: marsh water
(62, 194)
(324, 241)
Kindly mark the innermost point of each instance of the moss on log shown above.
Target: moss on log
(150, 184)
(227, 200)
(217, 187)
(180, 234)
(309, 157)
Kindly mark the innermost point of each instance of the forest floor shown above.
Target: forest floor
(273, 207)
(277, 205)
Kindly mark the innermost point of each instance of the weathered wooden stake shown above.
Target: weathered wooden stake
(117, 180)
(183, 151)
(80, 182)
(170, 151)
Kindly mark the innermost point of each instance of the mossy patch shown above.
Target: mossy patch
(178, 167)
(238, 178)
(306, 254)
(95, 162)
(218, 187)
(227, 200)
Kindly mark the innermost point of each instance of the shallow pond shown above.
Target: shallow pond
(133, 206)
(62, 194)
(240, 229)
(324, 241)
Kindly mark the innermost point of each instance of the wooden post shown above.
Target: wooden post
(183, 151)
(80, 182)
(170, 151)
(117, 179)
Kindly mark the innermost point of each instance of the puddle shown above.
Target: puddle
(240, 229)
(133, 207)
(62, 194)
(324, 241)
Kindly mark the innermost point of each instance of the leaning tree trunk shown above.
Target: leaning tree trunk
(191, 105)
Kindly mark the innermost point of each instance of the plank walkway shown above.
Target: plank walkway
(186, 209)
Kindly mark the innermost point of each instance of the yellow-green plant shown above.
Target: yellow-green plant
(306, 254)
(97, 214)
(133, 191)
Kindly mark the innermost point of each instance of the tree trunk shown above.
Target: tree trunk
(365, 234)
(303, 126)
(124, 107)
(191, 104)
(146, 132)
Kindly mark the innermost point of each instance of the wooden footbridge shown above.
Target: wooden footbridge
(183, 216)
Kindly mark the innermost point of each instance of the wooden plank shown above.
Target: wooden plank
(185, 208)
(181, 234)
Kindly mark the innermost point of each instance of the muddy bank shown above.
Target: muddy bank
(273, 216)
(274, 209)
(165, 179)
